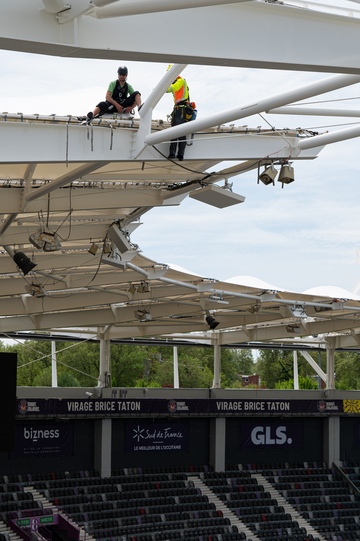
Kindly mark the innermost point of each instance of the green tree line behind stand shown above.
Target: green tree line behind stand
(131, 366)
(152, 366)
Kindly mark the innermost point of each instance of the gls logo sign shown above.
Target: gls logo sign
(287, 435)
(267, 435)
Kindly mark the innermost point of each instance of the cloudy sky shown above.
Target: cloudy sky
(296, 238)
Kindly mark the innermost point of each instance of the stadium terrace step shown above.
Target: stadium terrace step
(287, 506)
(220, 506)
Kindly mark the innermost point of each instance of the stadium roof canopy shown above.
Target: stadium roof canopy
(68, 187)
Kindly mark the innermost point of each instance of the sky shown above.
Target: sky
(303, 236)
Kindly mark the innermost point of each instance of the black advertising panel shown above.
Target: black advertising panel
(43, 441)
(279, 435)
(8, 365)
(157, 437)
(126, 407)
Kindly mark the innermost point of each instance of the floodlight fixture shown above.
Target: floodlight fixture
(286, 175)
(45, 240)
(146, 287)
(132, 289)
(298, 310)
(268, 175)
(37, 240)
(142, 315)
(120, 238)
(293, 329)
(254, 308)
(107, 248)
(93, 249)
(23, 262)
(35, 290)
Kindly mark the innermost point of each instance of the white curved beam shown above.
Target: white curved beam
(25, 28)
(140, 7)
(303, 92)
(314, 111)
(327, 138)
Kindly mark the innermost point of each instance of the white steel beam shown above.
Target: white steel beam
(140, 7)
(23, 27)
(314, 365)
(325, 85)
(48, 143)
(327, 138)
(63, 180)
(314, 111)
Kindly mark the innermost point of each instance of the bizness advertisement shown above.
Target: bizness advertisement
(42, 441)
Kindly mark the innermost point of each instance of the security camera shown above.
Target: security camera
(89, 395)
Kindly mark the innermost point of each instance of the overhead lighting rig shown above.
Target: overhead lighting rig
(35, 290)
(268, 176)
(45, 240)
(298, 310)
(286, 175)
(142, 315)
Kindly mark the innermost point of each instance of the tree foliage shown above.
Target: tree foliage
(131, 366)
(276, 366)
(304, 383)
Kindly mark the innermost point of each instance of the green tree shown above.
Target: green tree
(68, 380)
(32, 358)
(127, 364)
(275, 366)
(347, 370)
(84, 358)
(304, 383)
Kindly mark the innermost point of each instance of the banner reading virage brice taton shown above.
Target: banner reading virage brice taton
(122, 407)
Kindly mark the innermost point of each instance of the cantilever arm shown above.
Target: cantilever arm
(140, 7)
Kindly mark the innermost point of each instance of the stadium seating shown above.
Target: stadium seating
(142, 504)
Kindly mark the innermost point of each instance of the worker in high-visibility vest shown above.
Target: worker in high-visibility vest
(181, 113)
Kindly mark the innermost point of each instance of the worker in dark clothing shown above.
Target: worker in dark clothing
(120, 97)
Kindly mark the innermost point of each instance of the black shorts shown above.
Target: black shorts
(107, 107)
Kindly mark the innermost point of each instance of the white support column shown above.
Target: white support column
(296, 373)
(330, 367)
(176, 368)
(104, 369)
(54, 382)
(217, 365)
(151, 102)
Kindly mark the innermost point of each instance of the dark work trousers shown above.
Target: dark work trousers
(179, 118)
